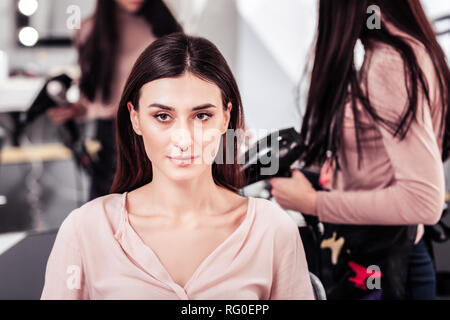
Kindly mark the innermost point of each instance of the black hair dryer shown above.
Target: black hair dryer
(55, 92)
(287, 149)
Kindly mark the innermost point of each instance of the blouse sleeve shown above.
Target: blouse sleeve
(417, 196)
(291, 279)
(64, 275)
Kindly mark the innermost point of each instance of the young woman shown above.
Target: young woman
(108, 43)
(175, 226)
(383, 128)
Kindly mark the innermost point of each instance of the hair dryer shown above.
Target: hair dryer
(287, 152)
(58, 91)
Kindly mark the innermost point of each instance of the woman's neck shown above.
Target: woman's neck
(191, 197)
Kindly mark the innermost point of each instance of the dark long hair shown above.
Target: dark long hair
(169, 57)
(340, 25)
(99, 52)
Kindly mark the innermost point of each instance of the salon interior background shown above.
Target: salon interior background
(265, 42)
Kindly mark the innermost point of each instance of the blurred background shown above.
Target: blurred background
(266, 43)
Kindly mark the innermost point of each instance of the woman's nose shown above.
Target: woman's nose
(181, 135)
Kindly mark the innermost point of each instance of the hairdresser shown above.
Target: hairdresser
(381, 135)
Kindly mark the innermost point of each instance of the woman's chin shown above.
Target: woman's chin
(183, 172)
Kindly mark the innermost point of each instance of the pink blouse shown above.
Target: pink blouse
(98, 255)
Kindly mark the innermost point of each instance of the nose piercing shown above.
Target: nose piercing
(183, 149)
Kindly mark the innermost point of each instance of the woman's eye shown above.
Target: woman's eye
(204, 116)
(163, 117)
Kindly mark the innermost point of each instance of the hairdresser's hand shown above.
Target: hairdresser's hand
(295, 193)
(326, 174)
(61, 114)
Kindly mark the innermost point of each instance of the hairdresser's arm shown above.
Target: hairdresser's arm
(417, 196)
(61, 114)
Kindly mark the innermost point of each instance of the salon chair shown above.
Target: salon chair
(319, 289)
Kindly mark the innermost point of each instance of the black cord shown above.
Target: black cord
(440, 19)
(446, 17)
(443, 32)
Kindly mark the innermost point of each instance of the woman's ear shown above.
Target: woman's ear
(227, 117)
(134, 117)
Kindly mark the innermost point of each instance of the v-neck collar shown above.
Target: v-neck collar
(144, 257)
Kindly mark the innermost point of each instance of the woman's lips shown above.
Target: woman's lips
(183, 158)
(181, 161)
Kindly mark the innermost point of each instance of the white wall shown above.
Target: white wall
(265, 43)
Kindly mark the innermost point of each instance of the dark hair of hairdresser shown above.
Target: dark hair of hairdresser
(340, 25)
(171, 57)
(98, 53)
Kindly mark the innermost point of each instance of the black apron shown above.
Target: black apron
(359, 247)
(386, 247)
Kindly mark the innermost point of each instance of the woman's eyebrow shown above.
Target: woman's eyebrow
(202, 107)
(205, 106)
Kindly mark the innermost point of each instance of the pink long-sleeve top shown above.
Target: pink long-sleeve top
(399, 182)
(98, 255)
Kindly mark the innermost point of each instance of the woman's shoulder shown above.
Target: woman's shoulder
(385, 57)
(383, 60)
(273, 217)
(102, 210)
(267, 215)
(386, 81)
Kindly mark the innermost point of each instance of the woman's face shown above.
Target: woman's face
(130, 5)
(181, 121)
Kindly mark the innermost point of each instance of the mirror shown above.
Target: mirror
(49, 22)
